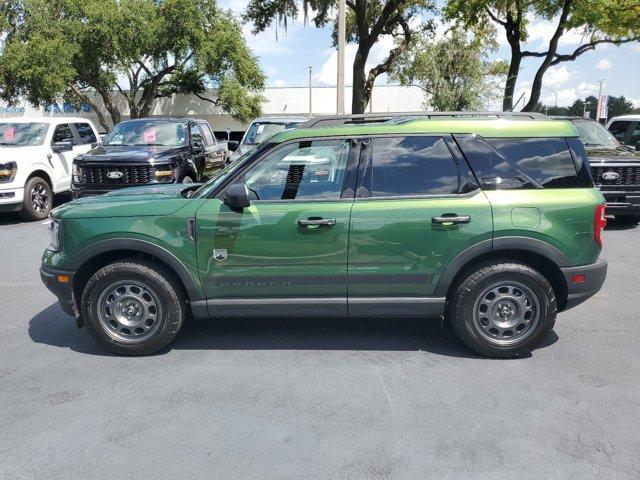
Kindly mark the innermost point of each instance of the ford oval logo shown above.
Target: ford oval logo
(610, 176)
(115, 174)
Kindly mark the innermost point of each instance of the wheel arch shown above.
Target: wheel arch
(99, 254)
(39, 172)
(537, 254)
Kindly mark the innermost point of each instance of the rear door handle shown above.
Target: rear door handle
(450, 219)
(316, 222)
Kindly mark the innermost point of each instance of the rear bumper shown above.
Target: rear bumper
(61, 289)
(594, 276)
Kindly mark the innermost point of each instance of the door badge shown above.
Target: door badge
(220, 254)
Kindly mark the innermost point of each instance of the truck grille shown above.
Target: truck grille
(130, 175)
(626, 175)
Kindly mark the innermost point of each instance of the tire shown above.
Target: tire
(38, 199)
(490, 305)
(628, 219)
(146, 318)
(187, 179)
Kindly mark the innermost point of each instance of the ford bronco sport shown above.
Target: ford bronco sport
(493, 224)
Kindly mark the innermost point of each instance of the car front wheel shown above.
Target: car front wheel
(503, 309)
(133, 307)
(38, 199)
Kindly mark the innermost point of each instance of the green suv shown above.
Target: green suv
(492, 224)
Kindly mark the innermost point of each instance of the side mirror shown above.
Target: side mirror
(60, 147)
(237, 196)
(197, 145)
(232, 145)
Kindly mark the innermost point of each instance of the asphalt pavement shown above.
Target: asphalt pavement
(317, 399)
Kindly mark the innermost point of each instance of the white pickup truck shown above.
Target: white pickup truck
(36, 158)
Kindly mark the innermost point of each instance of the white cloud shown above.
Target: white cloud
(278, 83)
(556, 76)
(541, 31)
(327, 74)
(635, 101)
(603, 64)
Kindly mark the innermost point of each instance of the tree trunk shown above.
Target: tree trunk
(512, 77)
(358, 100)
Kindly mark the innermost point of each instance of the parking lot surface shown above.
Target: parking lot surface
(315, 399)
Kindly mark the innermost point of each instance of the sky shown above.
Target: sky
(286, 55)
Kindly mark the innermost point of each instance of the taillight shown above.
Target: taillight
(599, 223)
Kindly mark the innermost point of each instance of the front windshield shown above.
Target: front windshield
(148, 132)
(260, 131)
(22, 134)
(594, 134)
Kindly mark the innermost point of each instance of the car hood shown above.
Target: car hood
(129, 154)
(152, 200)
(620, 154)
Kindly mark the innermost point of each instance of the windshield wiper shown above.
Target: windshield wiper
(150, 145)
(6, 143)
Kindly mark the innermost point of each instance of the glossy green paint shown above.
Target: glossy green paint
(269, 254)
(483, 127)
(562, 218)
(378, 247)
(394, 249)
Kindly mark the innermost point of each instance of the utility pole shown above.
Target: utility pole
(554, 92)
(310, 91)
(342, 32)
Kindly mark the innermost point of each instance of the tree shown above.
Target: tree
(367, 21)
(131, 50)
(601, 22)
(454, 72)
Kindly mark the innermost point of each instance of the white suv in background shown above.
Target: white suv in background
(36, 158)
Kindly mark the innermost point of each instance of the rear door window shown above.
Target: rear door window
(208, 134)
(63, 133)
(412, 166)
(85, 132)
(509, 163)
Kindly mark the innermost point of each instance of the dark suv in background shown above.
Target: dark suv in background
(147, 151)
(615, 169)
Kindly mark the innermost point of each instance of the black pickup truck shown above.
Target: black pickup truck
(147, 151)
(615, 169)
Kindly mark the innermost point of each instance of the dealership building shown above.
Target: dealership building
(280, 101)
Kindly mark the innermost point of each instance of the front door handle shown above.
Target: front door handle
(316, 222)
(450, 219)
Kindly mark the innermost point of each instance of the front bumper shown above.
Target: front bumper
(60, 283)
(578, 292)
(11, 199)
(621, 202)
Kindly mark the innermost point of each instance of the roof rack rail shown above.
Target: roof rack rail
(337, 120)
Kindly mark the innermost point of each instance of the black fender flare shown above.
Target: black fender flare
(137, 245)
(529, 244)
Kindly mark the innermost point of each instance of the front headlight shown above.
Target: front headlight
(55, 234)
(76, 171)
(8, 171)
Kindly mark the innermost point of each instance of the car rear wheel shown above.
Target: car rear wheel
(38, 199)
(503, 309)
(132, 307)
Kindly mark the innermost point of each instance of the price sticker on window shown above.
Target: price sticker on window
(150, 135)
(9, 133)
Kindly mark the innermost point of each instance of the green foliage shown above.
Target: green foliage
(617, 106)
(454, 72)
(136, 50)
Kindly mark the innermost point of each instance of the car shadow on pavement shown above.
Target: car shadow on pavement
(613, 224)
(55, 328)
(14, 218)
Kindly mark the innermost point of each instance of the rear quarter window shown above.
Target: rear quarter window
(529, 163)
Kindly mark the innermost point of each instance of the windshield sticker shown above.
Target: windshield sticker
(9, 133)
(150, 135)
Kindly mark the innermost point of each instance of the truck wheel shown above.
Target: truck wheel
(133, 307)
(628, 219)
(503, 309)
(187, 179)
(38, 199)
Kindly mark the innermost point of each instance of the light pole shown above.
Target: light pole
(342, 29)
(310, 91)
(554, 92)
